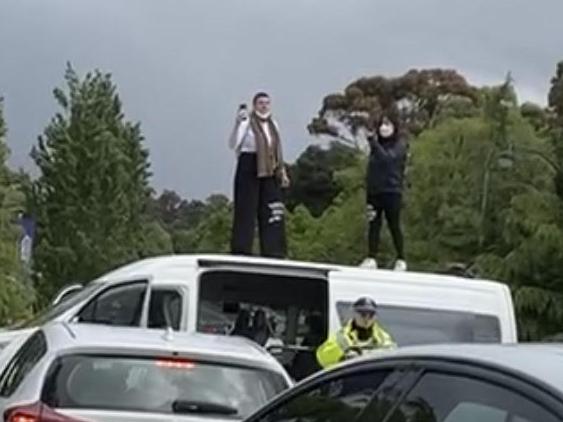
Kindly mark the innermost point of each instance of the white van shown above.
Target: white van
(304, 301)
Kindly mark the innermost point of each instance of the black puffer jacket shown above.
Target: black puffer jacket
(386, 167)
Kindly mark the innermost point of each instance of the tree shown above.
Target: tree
(555, 102)
(16, 297)
(213, 231)
(536, 115)
(483, 193)
(555, 96)
(537, 262)
(90, 198)
(313, 182)
(419, 98)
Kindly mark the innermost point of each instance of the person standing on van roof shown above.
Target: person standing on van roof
(362, 332)
(385, 174)
(259, 179)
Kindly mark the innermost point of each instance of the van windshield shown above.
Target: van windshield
(413, 326)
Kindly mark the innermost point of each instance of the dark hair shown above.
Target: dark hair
(392, 117)
(259, 95)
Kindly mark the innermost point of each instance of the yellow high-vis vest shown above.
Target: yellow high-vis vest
(334, 349)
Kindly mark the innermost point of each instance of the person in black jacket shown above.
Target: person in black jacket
(385, 174)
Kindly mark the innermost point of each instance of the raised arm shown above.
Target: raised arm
(238, 132)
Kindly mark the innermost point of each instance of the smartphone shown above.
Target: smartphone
(242, 111)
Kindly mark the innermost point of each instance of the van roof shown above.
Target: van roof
(149, 266)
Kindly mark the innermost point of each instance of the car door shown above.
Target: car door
(122, 304)
(459, 393)
(359, 394)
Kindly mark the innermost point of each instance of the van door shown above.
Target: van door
(168, 305)
(418, 312)
(122, 304)
(282, 309)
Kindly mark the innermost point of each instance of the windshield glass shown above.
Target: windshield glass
(52, 312)
(158, 385)
(411, 326)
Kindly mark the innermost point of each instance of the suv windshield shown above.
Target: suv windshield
(53, 312)
(158, 385)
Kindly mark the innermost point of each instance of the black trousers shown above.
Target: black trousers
(257, 199)
(378, 205)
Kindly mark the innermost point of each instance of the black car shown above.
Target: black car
(449, 383)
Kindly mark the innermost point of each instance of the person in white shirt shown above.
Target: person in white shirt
(259, 179)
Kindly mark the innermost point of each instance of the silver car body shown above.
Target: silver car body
(71, 339)
(536, 361)
(535, 367)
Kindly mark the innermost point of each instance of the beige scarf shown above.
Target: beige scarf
(269, 155)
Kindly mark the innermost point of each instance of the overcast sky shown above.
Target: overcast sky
(183, 66)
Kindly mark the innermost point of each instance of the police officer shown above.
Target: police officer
(363, 331)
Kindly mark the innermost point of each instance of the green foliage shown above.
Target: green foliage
(313, 181)
(199, 226)
(91, 196)
(16, 297)
(421, 98)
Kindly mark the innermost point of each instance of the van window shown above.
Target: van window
(165, 308)
(410, 326)
(273, 310)
(120, 305)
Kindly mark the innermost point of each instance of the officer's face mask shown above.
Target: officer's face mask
(364, 319)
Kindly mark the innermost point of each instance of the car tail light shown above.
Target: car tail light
(175, 363)
(37, 412)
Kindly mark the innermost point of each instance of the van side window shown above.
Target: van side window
(410, 326)
(120, 305)
(165, 308)
(22, 363)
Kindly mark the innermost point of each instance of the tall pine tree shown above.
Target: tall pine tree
(93, 187)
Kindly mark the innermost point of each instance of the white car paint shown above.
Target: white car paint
(406, 289)
(78, 339)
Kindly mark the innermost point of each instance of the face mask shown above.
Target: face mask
(386, 130)
(264, 115)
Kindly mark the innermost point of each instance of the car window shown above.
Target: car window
(165, 308)
(450, 398)
(22, 363)
(431, 326)
(159, 385)
(120, 305)
(337, 400)
(53, 312)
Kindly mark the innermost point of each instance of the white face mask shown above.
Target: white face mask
(264, 115)
(386, 130)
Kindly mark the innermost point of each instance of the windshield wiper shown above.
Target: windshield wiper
(201, 407)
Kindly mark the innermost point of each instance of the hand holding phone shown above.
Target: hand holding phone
(242, 114)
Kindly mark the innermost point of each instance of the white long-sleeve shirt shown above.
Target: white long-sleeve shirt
(242, 138)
